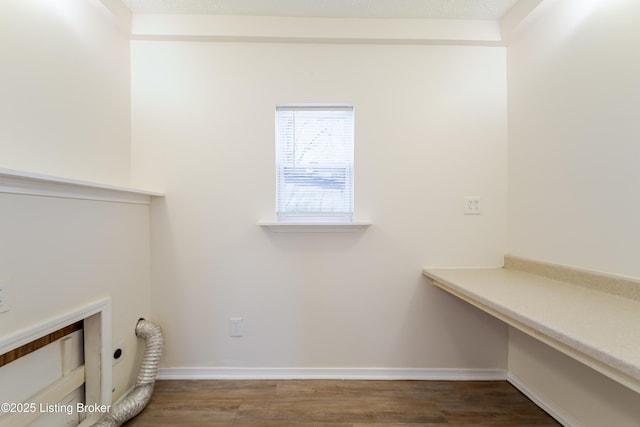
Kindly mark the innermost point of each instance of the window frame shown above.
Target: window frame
(283, 215)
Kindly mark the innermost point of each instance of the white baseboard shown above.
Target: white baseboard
(542, 401)
(185, 373)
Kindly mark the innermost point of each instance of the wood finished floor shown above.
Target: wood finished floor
(336, 403)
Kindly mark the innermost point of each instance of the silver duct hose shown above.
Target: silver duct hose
(138, 398)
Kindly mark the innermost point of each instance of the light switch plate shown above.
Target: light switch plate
(472, 205)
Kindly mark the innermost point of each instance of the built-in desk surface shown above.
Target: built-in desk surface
(598, 328)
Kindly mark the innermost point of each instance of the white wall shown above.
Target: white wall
(64, 90)
(574, 393)
(430, 129)
(61, 254)
(574, 155)
(64, 110)
(574, 162)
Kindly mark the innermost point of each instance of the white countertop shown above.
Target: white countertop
(600, 329)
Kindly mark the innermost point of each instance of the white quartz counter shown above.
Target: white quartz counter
(600, 329)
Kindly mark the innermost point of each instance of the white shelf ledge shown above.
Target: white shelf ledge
(314, 227)
(33, 184)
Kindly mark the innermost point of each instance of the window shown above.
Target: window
(314, 163)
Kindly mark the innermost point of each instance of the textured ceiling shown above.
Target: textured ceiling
(417, 9)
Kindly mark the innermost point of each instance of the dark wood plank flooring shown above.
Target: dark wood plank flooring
(337, 403)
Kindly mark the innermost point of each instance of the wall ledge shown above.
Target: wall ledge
(34, 184)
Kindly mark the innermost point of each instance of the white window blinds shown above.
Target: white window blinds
(314, 162)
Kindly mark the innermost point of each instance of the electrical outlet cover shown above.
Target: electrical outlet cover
(235, 327)
(5, 294)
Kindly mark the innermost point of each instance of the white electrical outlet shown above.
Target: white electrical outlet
(472, 205)
(235, 327)
(4, 296)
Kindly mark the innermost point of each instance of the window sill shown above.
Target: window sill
(314, 227)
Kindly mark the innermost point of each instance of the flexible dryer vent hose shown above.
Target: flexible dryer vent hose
(138, 398)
